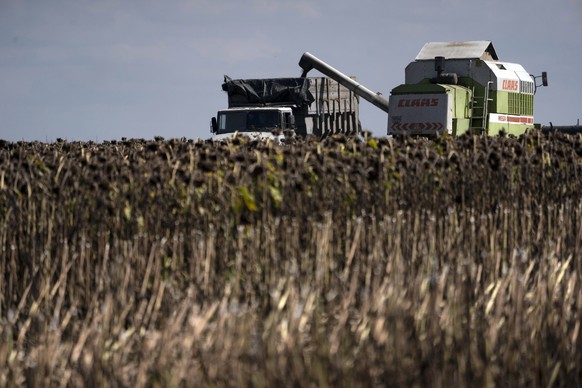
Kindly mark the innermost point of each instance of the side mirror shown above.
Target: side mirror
(213, 125)
(544, 78)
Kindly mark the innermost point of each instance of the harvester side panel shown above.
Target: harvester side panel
(420, 113)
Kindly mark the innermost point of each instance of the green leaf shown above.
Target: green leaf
(248, 199)
(276, 195)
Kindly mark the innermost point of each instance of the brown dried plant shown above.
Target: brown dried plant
(347, 262)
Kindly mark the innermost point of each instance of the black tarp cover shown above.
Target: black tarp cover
(267, 91)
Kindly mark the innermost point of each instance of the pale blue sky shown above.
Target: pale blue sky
(102, 70)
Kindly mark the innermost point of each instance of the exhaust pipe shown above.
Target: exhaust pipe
(309, 61)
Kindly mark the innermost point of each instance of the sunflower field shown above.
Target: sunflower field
(348, 262)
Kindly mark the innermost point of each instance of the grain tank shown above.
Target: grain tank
(456, 87)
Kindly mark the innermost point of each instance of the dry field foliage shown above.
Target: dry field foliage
(347, 262)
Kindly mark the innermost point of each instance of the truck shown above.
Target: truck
(458, 87)
(269, 107)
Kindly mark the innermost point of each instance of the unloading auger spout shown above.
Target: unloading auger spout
(309, 61)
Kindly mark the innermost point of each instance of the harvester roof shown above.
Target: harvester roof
(482, 49)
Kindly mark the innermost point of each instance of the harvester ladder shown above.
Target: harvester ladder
(480, 108)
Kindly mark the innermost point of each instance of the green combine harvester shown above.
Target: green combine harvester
(457, 87)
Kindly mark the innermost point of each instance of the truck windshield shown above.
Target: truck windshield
(248, 121)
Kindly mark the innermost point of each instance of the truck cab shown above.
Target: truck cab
(255, 122)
